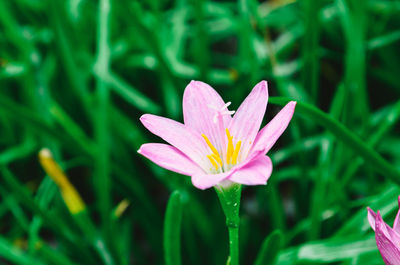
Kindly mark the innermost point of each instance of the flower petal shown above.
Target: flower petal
(268, 135)
(188, 142)
(169, 157)
(371, 218)
(200, 105)
(387, 245)
(396, 224)
(205, 181)
(247, 119)
(255, 172)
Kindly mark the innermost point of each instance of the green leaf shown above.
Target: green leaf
(329, 250)
(342, 133)
(270, 248)
(16, 255)
(336, 250)
(172, 230)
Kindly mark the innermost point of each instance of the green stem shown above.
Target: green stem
(229, 197)
(233, 245)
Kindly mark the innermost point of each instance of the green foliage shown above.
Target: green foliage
(270, 249)
(172, 227)
(76, 75)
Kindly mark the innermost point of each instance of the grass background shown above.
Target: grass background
(75, 76)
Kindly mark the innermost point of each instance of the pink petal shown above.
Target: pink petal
(169, 157)
(205, 181)
(256, 172)
(268, 135)
(188, 142)
(200, 105)
(247, 119)
(389, 232)
(387, 245)
(371, 218)
(396, 224)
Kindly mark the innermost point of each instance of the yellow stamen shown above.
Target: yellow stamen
(230, 146)
(211, 158)
(217, 158)
(236, 153)
(70, 195)
(213, 149)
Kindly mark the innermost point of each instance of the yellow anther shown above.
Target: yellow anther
(70, 195)
(236, 153)
(211, 158)
(218, 159)
(213, 149)
(229, 152)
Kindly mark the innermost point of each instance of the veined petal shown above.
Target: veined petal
(396, 224)
(255, 172)
(388, 231)
(170, 158)
(371, 218)
(188, 142)
(205, 181)
(201, 103)
(247, 119)
(268, 135)
(387, 245)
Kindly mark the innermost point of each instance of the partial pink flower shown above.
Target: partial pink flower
(213, 147)
(387, 238)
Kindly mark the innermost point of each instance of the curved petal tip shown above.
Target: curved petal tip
(144, 117)
(371, 218)
(263, 85)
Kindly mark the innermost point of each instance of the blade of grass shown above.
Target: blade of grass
(270, 248)
(53, 256)
(129, 93)
(165, 65)
(67, 58)
(353, 18)
(44, 195)
(385, 40)
(56, 224)
(374, 159)
(69, 126)
(24, 117)
(311, 47)
(358, 223)
(101, 122)
(275, 204)
(17, 152)
(392, 117)
(14, 208)
(15, 255)
(172, 230)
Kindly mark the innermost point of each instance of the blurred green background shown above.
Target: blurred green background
(75, 76)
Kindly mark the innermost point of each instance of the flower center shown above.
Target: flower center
(225, 161)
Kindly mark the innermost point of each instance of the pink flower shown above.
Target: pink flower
(211, 146)
(387, 238)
